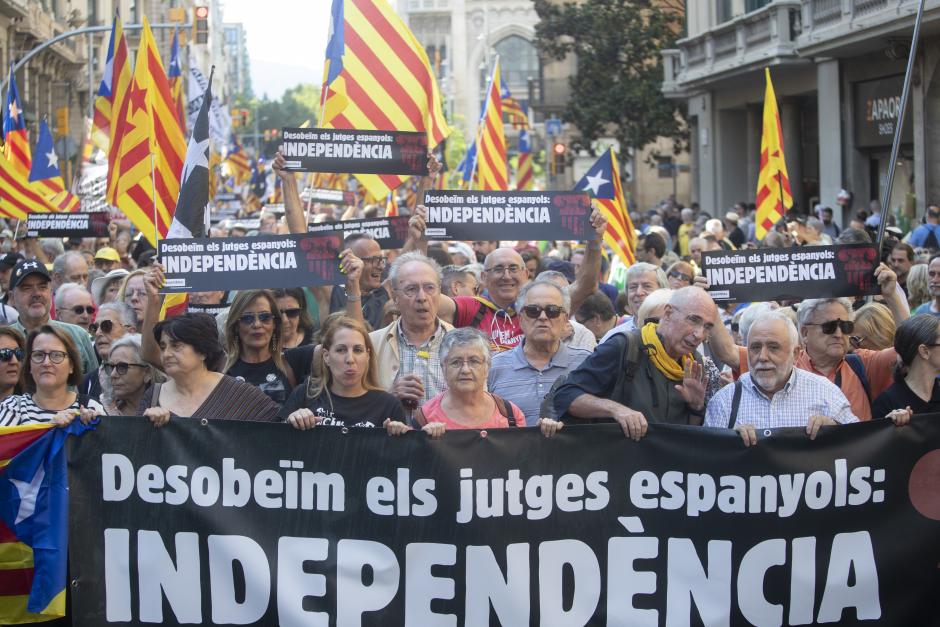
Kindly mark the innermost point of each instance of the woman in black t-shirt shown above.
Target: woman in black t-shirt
(253, 344)
(341, 390)
(916, 389)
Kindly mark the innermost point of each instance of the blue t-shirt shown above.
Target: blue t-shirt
(926, 309)
(919, 236)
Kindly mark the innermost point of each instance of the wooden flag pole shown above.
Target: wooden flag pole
(896, 143)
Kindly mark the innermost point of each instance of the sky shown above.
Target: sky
(286, 41)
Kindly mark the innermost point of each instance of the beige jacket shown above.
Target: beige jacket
(385, 345)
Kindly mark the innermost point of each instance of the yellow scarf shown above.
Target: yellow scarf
(658, 355)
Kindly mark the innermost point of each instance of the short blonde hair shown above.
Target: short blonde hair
(875, 323)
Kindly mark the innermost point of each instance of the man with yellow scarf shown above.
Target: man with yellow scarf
(652, 374)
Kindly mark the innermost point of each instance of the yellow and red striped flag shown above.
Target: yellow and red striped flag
(101, 121)
(773, 182)
(378, 77)
(148, 126)
(602, 181)
(15, 141)
(524, 175)
(391, 205)
(110, 109)
(491, 140)
(17, 196)
(237, 162)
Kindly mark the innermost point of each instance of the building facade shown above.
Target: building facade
(837, 68)
(238, 66)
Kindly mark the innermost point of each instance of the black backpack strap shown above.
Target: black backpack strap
(505, 409)
(858, 367)
(631, 356)
(478, 317)
(735, 403)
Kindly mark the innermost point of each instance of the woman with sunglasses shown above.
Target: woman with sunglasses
(12, 351)
(342, 391)
(52, 369)
(680, 274)
(114, 320)
(125, 377)
(254, 344)
(297, 326)
(916, 389)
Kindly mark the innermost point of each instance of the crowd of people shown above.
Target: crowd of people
(476, 335)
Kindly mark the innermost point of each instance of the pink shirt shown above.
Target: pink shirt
(433, 412)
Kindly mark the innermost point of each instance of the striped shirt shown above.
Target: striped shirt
(21, 409)
(805, 394)
(427, 368)
(513, 378)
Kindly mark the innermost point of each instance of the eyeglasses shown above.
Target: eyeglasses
(79, 310)
(856, 341)
(263, 317)
(473, 362)
(6, 354)
(56, 357)
(120, 367)
(138, 292)
(500, 270)
(829, 327)
(535, 311)
(675, 274)
(412, 290)
(378, 260)
(293, 312)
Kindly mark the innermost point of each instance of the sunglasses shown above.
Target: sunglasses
(829, 327)
(79, 310)
(248, 319)
(551, 311)
(292, 312)
(120, 367)
(6, 354)
(675, 274)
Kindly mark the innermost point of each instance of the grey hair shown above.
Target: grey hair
(132, 341)
(642, 267)
(64, 289)
(563, 290)
(776, 314)
(750, 315)
(58, 266)
(654, 300)
(687, 212)
(816, 224)
(53, 247)
(809, 306)
(548, 275)
(124, 311)
(464, 336)
(402, 259)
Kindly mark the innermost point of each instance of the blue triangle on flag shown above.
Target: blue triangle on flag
(599, 179)
(45, 159)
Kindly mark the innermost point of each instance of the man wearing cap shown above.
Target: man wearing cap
(32, 297)
(107, 259)
(735, 234)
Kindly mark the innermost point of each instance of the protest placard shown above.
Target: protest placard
(328, 196)
(355, 152)
(241, 263)
(94, 224)
(486, 215)
(791, 273)
(390, 233)
(230, 522)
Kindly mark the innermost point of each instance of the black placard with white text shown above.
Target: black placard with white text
(355, 152)
(224, 522)
(791, 273)
(242, 263)
(93, 224)
(329, 196)
(390, 233)
(496, 215)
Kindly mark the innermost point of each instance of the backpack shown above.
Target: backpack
(932, 242)
(502, 405)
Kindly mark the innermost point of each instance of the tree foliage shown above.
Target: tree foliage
(616, 90)
(297, 105)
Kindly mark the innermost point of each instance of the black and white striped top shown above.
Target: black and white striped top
(20, 409)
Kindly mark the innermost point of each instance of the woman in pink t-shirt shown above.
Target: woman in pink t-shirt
(465, 404)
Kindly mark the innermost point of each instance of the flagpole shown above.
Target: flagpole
(896, 143)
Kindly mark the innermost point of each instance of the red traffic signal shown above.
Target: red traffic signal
(202, 13)
(201, 25)
(559, 149)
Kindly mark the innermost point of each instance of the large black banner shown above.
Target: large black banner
(93, 224)
(219, 522)
(791, 273)
(390, 233)
(356, 152)
(242, 263)
(488, 215)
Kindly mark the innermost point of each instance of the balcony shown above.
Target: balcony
(14, 8)
(831, 25)
(738, 45)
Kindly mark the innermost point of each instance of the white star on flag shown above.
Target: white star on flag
(196, 157)
(14, 111)
(595, 183)
(53, 159)
(29, 492)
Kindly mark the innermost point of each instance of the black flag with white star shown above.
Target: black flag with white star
(192, 208)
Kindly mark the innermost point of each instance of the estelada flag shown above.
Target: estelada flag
(773, 182)
(492, 169)
(34, 513)
(602, 181)
(15, 142)
(378, 77)
(45, 175)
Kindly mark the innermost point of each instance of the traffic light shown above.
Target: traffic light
(62, 121)
(244, 116)
(559, 157)
(267, 134)
(200, 25)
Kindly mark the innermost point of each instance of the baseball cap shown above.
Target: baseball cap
(9, 260)
(25, 268)
(731, 216)
(565, 267)
(108, 254)
(99, 285)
